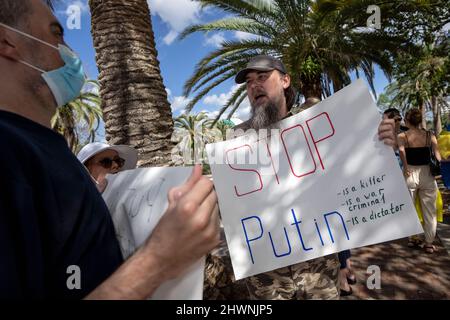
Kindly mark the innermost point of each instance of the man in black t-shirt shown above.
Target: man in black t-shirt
(53, 221)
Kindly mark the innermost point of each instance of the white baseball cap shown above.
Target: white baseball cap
(129, 154)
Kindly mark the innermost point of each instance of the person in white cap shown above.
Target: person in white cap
(101, 159)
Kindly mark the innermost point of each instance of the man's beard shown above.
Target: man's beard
(264, 116)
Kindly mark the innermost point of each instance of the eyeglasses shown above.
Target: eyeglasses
(107, 162)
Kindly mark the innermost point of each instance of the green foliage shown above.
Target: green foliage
(310, 68)
(78, 120)
(321, 42)
(206, 169)
(223, 126)
(192, 133)
(384, 102)
(422, 77)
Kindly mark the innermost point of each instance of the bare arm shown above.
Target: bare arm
(188, 230)
(401, 139)
(136, 279)
(434, 145)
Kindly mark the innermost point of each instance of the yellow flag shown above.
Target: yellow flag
(439, 207)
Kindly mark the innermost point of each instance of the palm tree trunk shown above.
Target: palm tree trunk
(311, 89)
(134, 99)
(436, 116)
(423, 111)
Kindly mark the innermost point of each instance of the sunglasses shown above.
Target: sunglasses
(107, 162)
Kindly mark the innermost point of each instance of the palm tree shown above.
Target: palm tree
(192, 132)
(223, 126)
(79, 118)
(134, 99)
(321, 42)
(406, 93)
(422, 81)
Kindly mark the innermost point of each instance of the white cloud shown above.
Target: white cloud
(179, 103)
(170, 37)
(221, 99)
(91, 88)
(218, 101)
(214, 114)
(364, 30)
(243, 113)
(210, 114)
(215, 40)
(178, 14)
(243, 35)
(83, 5)
(446, 27)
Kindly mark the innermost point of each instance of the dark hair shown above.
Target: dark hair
(13, 12)
(290, 94)
(391, 112)
(414, 116)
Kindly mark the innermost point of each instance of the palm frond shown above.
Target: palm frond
(235, 97)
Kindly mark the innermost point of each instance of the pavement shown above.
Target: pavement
(406, 274)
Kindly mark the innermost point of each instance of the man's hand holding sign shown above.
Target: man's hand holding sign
(322, 182)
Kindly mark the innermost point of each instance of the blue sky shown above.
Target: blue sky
(177, 58)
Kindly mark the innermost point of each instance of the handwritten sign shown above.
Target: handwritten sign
(320, 184)
(136, 200)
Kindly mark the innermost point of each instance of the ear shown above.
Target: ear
(8, 48)
(286, 81)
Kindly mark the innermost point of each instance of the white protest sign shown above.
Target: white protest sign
(136, 200)
(320, 184)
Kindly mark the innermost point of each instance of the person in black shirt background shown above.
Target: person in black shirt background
(415, 148)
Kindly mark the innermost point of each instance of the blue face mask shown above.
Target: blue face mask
(66, 82)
